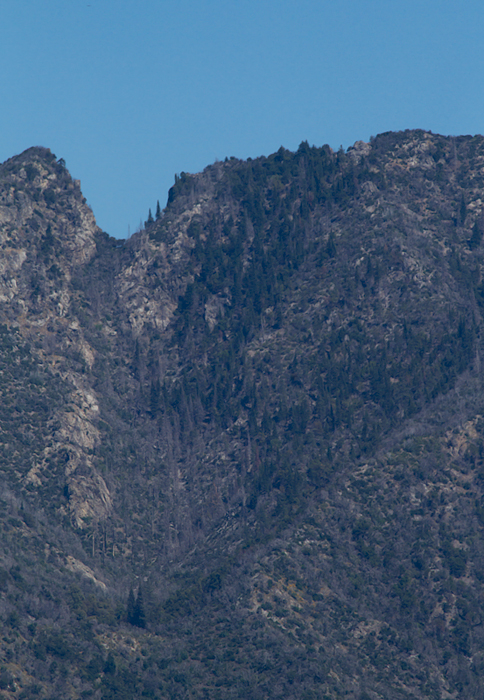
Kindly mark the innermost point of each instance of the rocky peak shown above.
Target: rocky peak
(41, 205)
(46, 231)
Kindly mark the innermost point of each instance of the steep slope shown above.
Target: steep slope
(263, 413)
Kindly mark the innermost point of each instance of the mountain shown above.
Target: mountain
(242, 451)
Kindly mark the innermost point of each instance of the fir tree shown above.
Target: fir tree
(139, 618)
(476, 238)
(110, 665)
(154, 397)
(463, 210)
(130, 608)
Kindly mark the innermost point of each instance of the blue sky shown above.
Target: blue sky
(131, 92)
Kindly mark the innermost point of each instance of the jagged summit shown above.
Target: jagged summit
(32, 153)
(43, 216)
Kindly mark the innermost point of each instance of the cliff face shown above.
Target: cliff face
(263, 413)
(45, 223)
(47, 233)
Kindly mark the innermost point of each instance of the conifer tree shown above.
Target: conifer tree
(158, 210)
(139, 618)
(130, 608)
(154, 397)
(110, 665)
(476, 238)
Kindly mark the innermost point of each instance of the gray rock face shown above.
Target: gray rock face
(47, 232)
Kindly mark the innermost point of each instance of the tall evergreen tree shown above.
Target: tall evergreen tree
(154, 397)
(130, 608)
(139, 618)
(110, 665)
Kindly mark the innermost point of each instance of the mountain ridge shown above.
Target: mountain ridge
(262, 413)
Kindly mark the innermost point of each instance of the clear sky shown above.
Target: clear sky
(130, 92)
